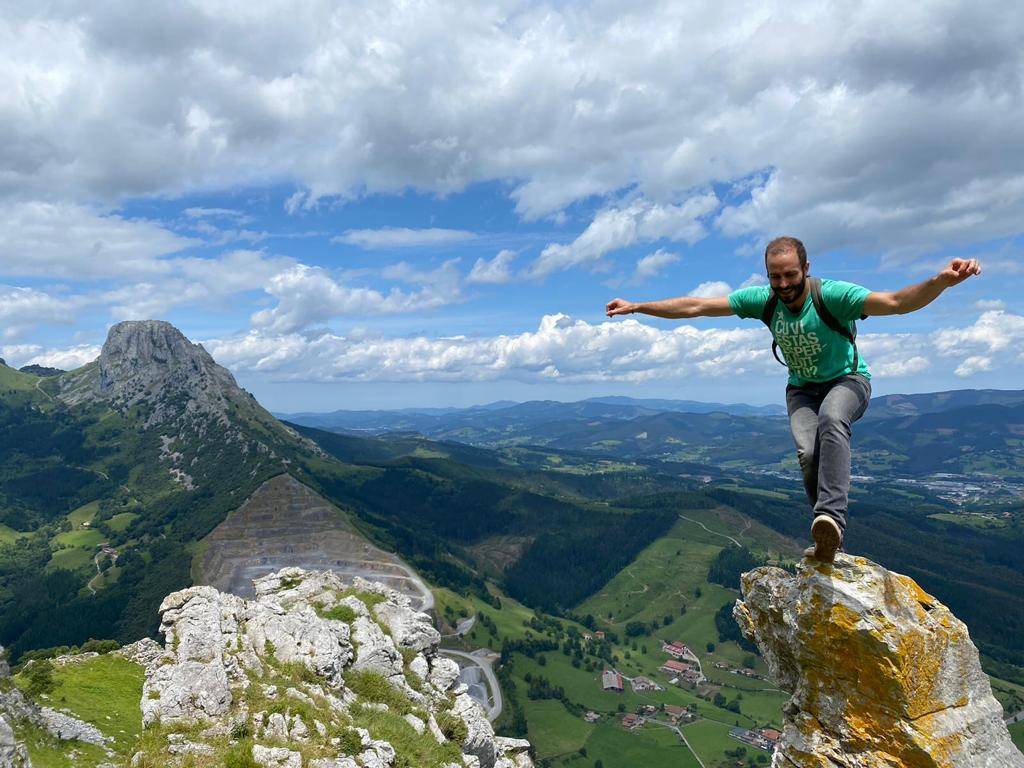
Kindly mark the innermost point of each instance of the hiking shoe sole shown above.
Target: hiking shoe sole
(828, 538)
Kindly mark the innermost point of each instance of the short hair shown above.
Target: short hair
(784, 245)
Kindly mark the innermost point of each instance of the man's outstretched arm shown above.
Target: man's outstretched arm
(914, 297)
(674, 309)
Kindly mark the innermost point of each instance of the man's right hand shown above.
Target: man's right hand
(619, 307)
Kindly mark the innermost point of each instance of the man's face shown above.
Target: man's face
(785, 276)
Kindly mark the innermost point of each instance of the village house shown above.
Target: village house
(631, 721)
(752, 738)
(673, 667)
(678, 713)
(689, 678)
(591, 717)
(676, 648)
(644, 684)
(770, 734)
(611, 680)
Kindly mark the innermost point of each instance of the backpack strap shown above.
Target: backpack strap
(766, 317)
(830, 320)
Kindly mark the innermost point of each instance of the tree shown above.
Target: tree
(710, 647)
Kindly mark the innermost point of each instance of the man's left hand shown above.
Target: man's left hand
(959, 270)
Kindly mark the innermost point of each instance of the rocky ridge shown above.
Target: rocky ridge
(149, 371)
(883, 675)
(315, 671)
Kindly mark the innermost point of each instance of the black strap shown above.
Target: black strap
(823, 312)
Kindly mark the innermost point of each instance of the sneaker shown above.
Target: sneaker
(828, 539)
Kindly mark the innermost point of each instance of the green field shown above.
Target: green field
(104, 691)
(552, 730)
(1017, 734)
(121, 521)
(651, 747)
(83, 514)
(8, 534)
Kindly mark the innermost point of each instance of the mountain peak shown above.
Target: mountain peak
(881, 673)
(151, 363)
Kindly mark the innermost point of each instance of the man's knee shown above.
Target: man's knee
(833, 421)
(806, 457)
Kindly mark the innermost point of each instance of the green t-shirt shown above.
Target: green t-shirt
(812, 350)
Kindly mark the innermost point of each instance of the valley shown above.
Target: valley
(566, 557)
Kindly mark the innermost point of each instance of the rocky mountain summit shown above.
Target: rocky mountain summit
(314, 672)
(152, 375)
(151, 362)
(883, 675)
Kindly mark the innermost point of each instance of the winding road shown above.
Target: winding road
(494, 709)
(716, 533)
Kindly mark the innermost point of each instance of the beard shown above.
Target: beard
(791, 294)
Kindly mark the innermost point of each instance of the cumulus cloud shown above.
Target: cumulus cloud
(972, 365)
(995, 334)
(987, 304)
(495, 271)
(562, 102)
(308, 296)
(711, 289)
(755, 279)
(401, 237)
(653, 264)
(618, 227)
(23, 308)
(561, 349)
(68, 240)
(68, 358)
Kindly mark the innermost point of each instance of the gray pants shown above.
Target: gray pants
(820, 416)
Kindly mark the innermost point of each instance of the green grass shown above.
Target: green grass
(710, 739)
(8, 534)
(1017, 734)
(104, 691)
(83, 514)
(70, 559)
(121, 521)
(552, 730)
(85, 538)
(45, 751)
(508, 619)
(651, 747)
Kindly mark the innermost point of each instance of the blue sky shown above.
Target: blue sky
(383, 206)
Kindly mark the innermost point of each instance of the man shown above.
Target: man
(829, 383)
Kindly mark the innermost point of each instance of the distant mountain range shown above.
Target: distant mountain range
(438, 420)
(960, 432)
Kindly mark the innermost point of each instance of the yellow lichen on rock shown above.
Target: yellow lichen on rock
(882, 674)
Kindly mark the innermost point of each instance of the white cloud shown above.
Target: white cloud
(618, 227)
(23, 308)
(65, 240)
(987, 304)
(67, 359)
(19, 355)
(401, 237)
(495, 271)
(972, 365)
(891, 105)
(995, 334)
(653, 264)
(755, 279)
(309, 296)
(711, 289)
(561, 348)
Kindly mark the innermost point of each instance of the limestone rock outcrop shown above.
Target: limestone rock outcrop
(882, 674)
(315, 671)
